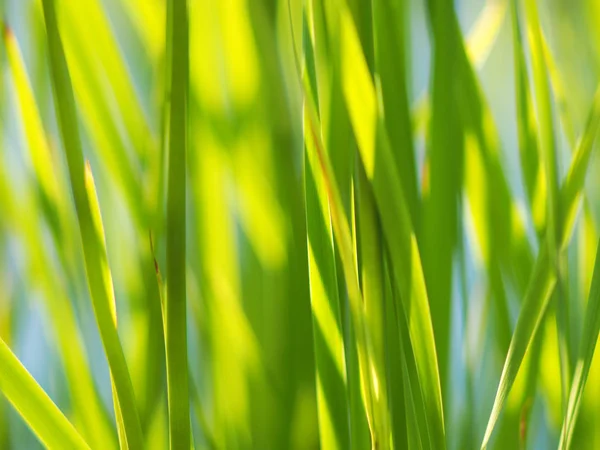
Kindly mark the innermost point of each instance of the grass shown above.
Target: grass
(320, 224)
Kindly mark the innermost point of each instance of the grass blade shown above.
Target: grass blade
(479, 42)
(372, 283)
(33, 404)
(544, 278)
(390, 65)
(533, 173)
(86, 402)
(91, 231)
(548, 151)
(377, 159)
(445, 177)
(175, 328)
(589, 338)
(327, 329)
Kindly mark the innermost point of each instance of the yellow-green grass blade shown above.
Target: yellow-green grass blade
(41, 157)
(175, 324)
(79, 20)
(531, 168)
(548, 152)
(479, 42)
(372, 284)
(499, 229)
(589, 338)
(410, 417)
(343, 239)
(148, 19)
(46, 170)
(389, 23)
(96, 101)
(88, 411)
(544, 277)
(125, 144)
(91, 231)
(340, 154)
(377, 159)
(35, 407)
(444, 174)
(54, 205)
(87, 406)
(330, 359)
(231, 345)
(558, 89)
(397, 394)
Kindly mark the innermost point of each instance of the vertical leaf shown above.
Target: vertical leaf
(176, 325)
(91, 231)
(33, 404)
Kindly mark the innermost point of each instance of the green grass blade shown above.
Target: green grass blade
(86, 402)
(479, 42)
(41, 157)
(91, 230)
(362, 382)
(175, 328)
(532, 169)
(445, 175)
(377, 159)
(544, 277)
(101, 118)
(371, 274)
(33, 404)
(390, 65)
(589, 338)
(103, 54)
(548, 151)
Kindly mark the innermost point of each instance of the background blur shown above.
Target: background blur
(250, 334)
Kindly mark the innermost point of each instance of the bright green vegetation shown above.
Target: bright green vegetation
(299, 224)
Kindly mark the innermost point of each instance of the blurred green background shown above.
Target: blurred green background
(250, 335)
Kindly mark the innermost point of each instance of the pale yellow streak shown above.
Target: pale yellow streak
(239, 50)
(40, 155)
(97, 224)
(149, 18)
(324, 315)
(359, 92)
(480, 40)
(475, 185)
(261, 215)
(326, 428)
(549, 367)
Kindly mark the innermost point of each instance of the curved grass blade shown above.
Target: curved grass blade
(330, 360)
(548, 152)
(589, 338)
(86, 402)
(544, 277)
(81, 19)
(100, 113)
(533, 173)
(372, 283)
(91, 231)
(445, 175)
(41, 157)
(362, 380)
(176, 324)
(390, 65)
(376, 156)
(482, 37)
(327, 329)
(33, 404)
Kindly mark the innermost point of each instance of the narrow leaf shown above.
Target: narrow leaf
(33, 404)
(176, 328)
(91, 231)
